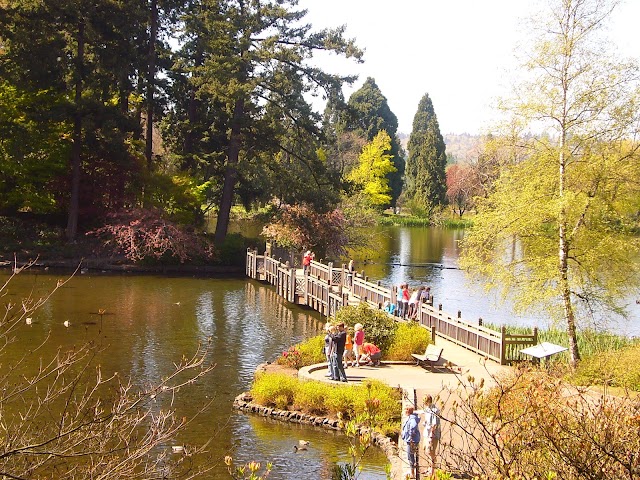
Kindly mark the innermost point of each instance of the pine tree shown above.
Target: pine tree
(425, 175)
(254, 75)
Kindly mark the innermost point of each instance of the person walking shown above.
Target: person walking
(358, 341)
(338, 339)
(411, 437)
(431, 432)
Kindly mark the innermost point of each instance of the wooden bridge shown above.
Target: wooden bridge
(327, 288)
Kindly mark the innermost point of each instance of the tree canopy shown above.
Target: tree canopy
(371, 173)
(559, 230)
(368, 114)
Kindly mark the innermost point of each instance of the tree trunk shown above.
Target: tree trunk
(563, 265)
(230, 174)
(151, 81)
(76, 150)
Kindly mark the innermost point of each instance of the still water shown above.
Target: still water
(152, 321)
(429, 256)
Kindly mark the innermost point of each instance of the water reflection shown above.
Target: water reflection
(151, 322)
(429, 256)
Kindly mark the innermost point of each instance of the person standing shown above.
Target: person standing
(349, 358)
(327, 346)
(431, 432)
(411, 436)
(358, 341)
(405, 300)
(306, 261)
(338, 339)
(413, 303)
(399, 304)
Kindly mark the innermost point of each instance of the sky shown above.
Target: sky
(460, 52)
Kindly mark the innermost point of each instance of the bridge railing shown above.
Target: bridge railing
(327, 289)
(374, 293)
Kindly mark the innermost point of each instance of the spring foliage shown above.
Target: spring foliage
(558, 230)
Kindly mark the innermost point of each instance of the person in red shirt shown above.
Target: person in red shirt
(306, 260)
(371, 353)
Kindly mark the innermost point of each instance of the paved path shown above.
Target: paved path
(461, 363)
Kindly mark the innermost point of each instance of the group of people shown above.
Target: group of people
(344, 347)
(407, 302)
(411, 435)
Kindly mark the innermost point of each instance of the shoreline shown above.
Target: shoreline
(97, 265)
(244, 403)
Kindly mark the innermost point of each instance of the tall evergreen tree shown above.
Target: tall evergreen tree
(368, 114)
(254, 72)
(425, 177)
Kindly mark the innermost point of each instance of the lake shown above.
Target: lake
(151, 321)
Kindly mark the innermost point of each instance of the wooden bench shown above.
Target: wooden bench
(431, 355)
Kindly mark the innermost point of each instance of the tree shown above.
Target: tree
(368, 114)
(569, 210)
(462, 186)
(254, 70)
(425, 176)
(371, 173)
(64, 419)
(300, 227)
(73, 62)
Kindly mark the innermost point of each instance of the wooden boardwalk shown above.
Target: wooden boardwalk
(327, 288)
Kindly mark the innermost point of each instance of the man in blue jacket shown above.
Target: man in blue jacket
(411, 436)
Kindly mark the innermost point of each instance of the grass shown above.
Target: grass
(318, 398)
(403, 221)
(607, 359)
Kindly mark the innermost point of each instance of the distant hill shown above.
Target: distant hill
(460, 147)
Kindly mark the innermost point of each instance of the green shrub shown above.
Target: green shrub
(310, 397)
(379, 328)
(351, 402)
(619, 368)
(311, 350)
(281, 402)
(267, 387)
(233, 250)
(342, 400)
(409, 338)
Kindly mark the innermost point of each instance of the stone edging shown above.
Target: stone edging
(244, 402)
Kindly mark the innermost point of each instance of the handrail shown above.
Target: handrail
(327, 289)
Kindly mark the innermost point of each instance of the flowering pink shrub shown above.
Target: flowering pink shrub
(144, 234)
(291, 358)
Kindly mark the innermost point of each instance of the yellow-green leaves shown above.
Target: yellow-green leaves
(374, 164)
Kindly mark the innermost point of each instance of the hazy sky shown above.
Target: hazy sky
(460, 52)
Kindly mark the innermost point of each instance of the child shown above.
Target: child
(349, 356)
(358, 340)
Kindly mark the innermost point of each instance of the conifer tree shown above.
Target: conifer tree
(255, 75)
(425, 176)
